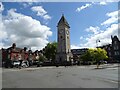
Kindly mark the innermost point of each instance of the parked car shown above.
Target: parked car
(39, 64)
(103, 62)
(35, 62)
(75, 63)
(85, 63)
(16, 64)
(47, 63)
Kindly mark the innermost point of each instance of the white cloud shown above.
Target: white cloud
(96, 33)
(24, 31)
(41, 12)
(74, 47)
(12, 14)
(59, 0)
(103, 36)
(102, 3)
(83, 7)
(78, 46)
(3, 34)
(89, 5)
(39, 9)
(1, 7)
(46, 17)
(113, 18)
(95, 30)
(81, 37)
(26, 4)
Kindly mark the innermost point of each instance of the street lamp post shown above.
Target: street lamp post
(97, 42)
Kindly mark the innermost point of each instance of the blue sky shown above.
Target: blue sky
(89, 21)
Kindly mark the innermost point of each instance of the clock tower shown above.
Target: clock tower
(63, 39)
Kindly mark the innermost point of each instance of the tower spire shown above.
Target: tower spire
(63, 21)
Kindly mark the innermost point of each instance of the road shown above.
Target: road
(60, 77)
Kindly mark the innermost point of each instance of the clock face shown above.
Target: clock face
(67, 32)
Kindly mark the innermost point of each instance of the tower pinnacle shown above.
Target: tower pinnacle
(63, 21)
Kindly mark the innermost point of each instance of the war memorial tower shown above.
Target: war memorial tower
(63, 39)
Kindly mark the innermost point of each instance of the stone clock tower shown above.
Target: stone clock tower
(63, 48)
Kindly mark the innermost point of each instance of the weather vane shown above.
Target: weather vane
(62, 13)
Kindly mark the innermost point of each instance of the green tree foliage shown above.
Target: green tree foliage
(50, 51)
(86, 56)
(95, 55)
(100, 54)
(42, 58)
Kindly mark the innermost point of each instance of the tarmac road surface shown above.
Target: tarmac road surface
(60, 77)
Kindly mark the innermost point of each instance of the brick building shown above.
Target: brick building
(13, 53)
(113, 49)
(77, 53)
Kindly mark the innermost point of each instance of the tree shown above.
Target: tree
(87, 56)
(99, 55)
(42, 58)
(95, 55)
(50, 51)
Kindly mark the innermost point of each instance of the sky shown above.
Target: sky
(33, 24)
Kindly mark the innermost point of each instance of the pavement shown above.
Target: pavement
(103, 66)
(61, 77)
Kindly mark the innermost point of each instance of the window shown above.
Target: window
(61, 37)
(116, 53)
(117, 47)
(115, 42)
(114, 47)
(109, 54)
(78, 50)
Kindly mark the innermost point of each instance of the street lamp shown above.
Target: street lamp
(97, 42)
